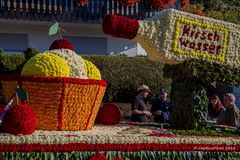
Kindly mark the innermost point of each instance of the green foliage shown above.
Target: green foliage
(221, 4)
(185, 110)
(137, 155)
(1, 51)
(124, 74)
(205, 132)
(206, 72)
(30, 52)
(212, 72)
(11, 63)
(200, 103)
(226, 10)
(229, 15)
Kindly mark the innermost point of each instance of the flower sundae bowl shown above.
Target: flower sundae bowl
(63, 91)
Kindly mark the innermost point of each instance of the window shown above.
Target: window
(88, 45)
(11, 42)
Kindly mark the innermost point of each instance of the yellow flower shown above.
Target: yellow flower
(46, 64)
(92, 71)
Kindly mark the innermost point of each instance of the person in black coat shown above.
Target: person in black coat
(160, 108)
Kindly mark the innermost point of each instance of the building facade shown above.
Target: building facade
(25, 23)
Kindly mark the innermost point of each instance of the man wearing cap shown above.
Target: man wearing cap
(231, 115)
(139, 109)
(160, 108)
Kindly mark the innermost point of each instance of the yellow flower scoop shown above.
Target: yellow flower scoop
(92, 71)
(46, 64)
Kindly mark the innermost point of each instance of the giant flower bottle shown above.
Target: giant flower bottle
(173, 36)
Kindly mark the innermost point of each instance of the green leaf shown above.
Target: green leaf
(53, 29)
(22, 93)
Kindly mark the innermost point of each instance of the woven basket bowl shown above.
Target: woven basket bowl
(60, 103)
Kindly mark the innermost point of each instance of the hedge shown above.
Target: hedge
(123, 74)
(11, 63)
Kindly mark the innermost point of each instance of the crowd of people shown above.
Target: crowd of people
(226, 113)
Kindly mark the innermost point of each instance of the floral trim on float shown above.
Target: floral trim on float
(110, 155)
(115, 142)
(59, 92)
(177, 36)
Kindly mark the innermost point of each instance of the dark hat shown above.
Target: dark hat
(162, 90)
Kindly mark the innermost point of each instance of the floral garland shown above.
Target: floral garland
(14, 78)
(113, 135)
(118, 147)
(46, 64)
(74, 60)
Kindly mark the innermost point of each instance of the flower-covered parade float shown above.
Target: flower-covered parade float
(65, 92)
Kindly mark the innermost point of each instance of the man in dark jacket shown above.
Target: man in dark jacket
(139, 108)
(160, 108)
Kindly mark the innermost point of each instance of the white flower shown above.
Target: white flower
(74, 60)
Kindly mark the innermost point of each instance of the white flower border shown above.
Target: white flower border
(109, 134)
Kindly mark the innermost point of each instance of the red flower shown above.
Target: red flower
(20, 120)
(98, 156)
(108, 114)
(157, 4)
(118, 159)
(119, 26)
(185, 4)
(193, 10)
(81, 2)
(128, 2)
(61, 44)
